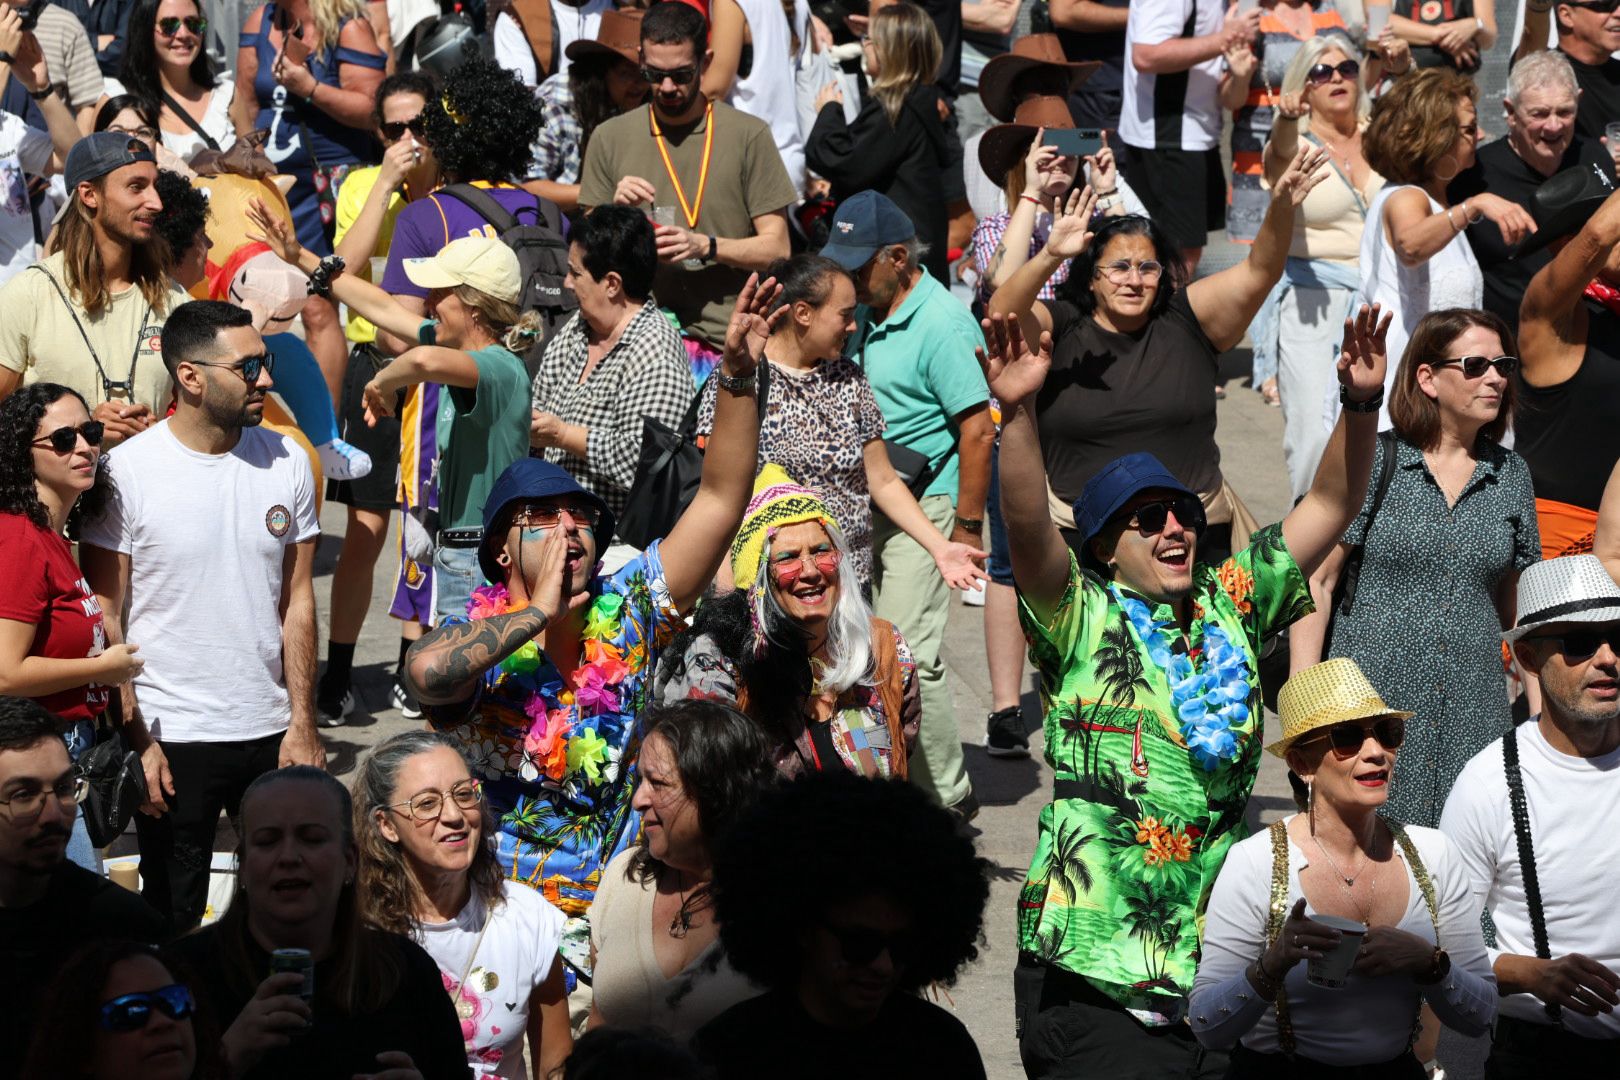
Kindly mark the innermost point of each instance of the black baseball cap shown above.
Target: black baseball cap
(94, 156)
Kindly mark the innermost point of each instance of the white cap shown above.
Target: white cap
(1570, 589)
(479, 262)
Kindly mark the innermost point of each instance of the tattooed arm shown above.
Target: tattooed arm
(446, 666)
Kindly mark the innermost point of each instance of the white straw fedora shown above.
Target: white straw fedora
(1571, 589)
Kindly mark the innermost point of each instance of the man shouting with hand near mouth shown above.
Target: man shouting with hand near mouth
(1152, 715)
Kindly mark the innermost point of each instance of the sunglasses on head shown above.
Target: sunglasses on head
(787, 571)
(64, 439)
(131, 1012)
(859, 945)
(394, 130)
(1475, 366)
(680, 76)
(1321, 74)
(1149, 519)
(1347, 738)
(170, 25)
(1583, 644)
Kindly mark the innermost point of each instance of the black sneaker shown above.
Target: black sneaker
(964, 810)
(401, 698)
(1004, 734)
(331, 714)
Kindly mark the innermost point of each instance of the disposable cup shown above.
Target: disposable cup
(1377, 19)
(1331, 971)
(663, 215)
(126, 875)
(1612, 131)
(379, 264)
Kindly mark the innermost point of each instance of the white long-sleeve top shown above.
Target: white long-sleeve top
(1573, 802)
(1368, 1020)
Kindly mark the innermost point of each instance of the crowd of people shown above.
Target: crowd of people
(706, 349)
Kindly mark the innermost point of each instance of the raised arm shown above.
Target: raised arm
(1280, 149)
(1225, 303)
(727, 28)
(1071, 234)
(1314, 526)
(696, 545)
(1533, 37)
(1016, 373)
(1159, 50)
(1606, 543)
(1088, 15)
(1549, 344)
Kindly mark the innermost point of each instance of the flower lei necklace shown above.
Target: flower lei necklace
(1208, 703)
(561, 741)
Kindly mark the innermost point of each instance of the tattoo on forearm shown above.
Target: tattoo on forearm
(996, 258)
(452, 659)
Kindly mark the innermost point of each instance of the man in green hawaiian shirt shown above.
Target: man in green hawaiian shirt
(1152, 718)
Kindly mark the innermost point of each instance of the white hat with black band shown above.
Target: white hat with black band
(1570, 589)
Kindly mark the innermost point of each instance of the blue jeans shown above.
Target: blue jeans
(999, 565)
(79, 738)
(455, 576)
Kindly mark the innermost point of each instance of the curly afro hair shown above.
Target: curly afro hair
(833, 836)
(20, 415)
(184, 213)
(484, 123)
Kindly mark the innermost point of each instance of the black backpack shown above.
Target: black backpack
(542, 260)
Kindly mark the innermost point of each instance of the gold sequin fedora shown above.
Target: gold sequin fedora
(1326, 694)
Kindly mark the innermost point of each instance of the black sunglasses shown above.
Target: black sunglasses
(170, 25)
(64, 439)
(859, 946)
(1348, 737)
(1149, 519)
(1583, 644)
(1320, 74)
(1475, 366)
(679, 76)
(131, 1012)
(250, 368)
(1602, 7)
(394, 130)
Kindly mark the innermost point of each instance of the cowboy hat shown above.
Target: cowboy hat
(1569, 589)
(1562, 204)
(1028, 52)
(618, 35)
(1323, 695)
(1005, 144)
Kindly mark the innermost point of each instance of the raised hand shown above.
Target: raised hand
(1363, 357)
(1104, 175)
(752, 321)
(1293, 106)
(1014, 371)
(1240, 27)
(1240, 60)
(275, 232)
(1037, 161)
(1308, 169)
(1071, 228)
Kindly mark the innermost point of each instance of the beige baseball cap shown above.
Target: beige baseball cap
(479, 262)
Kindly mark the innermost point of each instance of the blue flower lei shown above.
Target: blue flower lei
(1209, 703)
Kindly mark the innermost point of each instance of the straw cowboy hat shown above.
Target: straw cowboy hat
(1005, 144)
(1028, 52)
(1571, 589)
(1326, 694)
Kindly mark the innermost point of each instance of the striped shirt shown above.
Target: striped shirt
(1178, 110)
(70, 62)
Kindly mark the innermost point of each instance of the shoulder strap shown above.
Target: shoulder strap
(1386, 469)
(187, 119)
(1274, 924)
(1351, 574)
(1361, 205)
(74, 315)
(886, 669)
(483, 204)
(1425, 882)
(534, 19)
(1527, 853)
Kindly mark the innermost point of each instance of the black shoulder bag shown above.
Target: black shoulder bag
(116, 778)
(1527, 852)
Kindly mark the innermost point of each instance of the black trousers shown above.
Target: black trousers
(177, 849)
(1521, 1050)
(1252, 1065)
(1070, 1030)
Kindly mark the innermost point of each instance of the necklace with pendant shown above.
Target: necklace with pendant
(1347, 882)
(691, 903)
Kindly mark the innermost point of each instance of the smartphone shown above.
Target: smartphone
(1074, 142)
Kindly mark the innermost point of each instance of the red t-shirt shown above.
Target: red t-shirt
(45, 589)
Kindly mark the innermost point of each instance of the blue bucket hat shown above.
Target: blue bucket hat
(533, 478)
(1115, 485)
(863, 224)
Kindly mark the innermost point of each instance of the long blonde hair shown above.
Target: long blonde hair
(329, 17)
(908, 51)
(75, 238)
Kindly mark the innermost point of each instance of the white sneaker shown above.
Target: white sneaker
(974, 597)
(329, 716)
(343, 461)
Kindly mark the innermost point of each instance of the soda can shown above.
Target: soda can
(300, 962)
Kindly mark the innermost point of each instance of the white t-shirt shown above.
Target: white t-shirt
(216, 121)
(23, 151)
(770, 90)
(206, 535)
(514, 957)
(512, 49)
(1572, 802)
(1179, 111)
(1366, 1021)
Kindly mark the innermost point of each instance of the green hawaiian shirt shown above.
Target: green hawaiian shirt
(1129, 847)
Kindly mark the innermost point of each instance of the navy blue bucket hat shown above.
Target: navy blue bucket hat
(533, 478)
(1115, 485)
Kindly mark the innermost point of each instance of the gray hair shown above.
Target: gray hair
(1293, 80)
(849, 631)
(916, 251)
(1546, 68)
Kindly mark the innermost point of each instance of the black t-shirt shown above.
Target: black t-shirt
(1500, 171)
(1113, 394)
(1567, 433)
(947, 19)
(1095, 102)
(78, 907)
(773, 1036)
(419, 1019)
(1600, 96)
(1433, 13)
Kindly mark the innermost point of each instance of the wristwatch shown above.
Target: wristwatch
(734, 384)
(972, 525)
(7, 58)
(41, 95)
(1439, 968)
(1371, 405)
(714, 246)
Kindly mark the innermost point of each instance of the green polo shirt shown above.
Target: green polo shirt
(923, 372)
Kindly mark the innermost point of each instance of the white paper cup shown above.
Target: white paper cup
(1377, 18)
(1331, 971)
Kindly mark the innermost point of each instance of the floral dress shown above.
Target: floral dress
(1155, 739)
(556, 753)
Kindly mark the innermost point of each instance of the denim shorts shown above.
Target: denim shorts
(999, 565)
(455, 575)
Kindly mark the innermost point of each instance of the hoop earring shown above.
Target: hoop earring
(1446, 176)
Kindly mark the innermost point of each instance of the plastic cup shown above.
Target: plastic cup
(1331, 971)
(1611, 131)
(663, 215)
(126, 875)
(1377, 19)
(378, 266)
